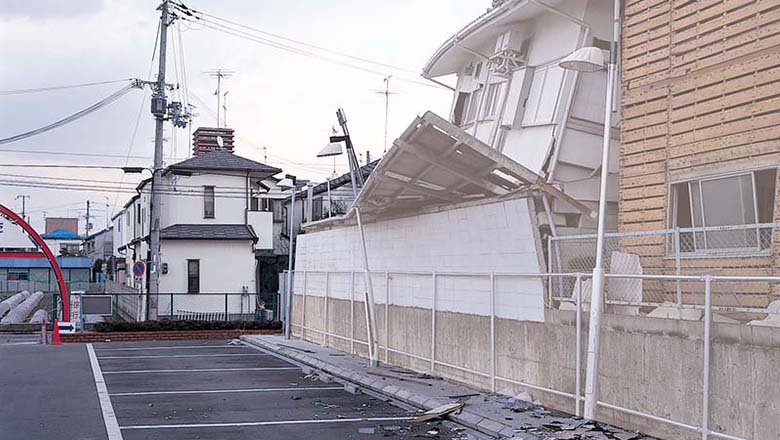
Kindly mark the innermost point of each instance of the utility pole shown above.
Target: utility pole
(87, 225)
(24, 197)
(159, 107)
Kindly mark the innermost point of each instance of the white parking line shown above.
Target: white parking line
(272, 423)
(240, 390)
(167, 347)
(109, 417)
(182, 356)
(202, 370)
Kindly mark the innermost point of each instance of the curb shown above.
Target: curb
(465, 417)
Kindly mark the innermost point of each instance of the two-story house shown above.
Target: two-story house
(216, 215)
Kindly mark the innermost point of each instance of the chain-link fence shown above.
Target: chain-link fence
(744, 250)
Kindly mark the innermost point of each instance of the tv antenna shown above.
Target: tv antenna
(220, 74)
(387, 94)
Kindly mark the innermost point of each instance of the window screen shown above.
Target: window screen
(542, 100)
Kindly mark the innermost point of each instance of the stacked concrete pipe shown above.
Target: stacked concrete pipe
(18, 314)
(12, 302)
(39, 316)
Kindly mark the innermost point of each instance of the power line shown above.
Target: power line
(220, 27)
(184, 10)
(50, 88)
(94, 107)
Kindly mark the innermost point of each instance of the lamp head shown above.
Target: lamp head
(332, 149)
(585, 59)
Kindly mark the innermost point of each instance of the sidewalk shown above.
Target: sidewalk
(492, 414)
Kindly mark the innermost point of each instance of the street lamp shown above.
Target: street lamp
(591, 59)
(287, 183)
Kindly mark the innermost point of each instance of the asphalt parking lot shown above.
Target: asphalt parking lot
(204, 390)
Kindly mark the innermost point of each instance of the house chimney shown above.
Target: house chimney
(206, 139)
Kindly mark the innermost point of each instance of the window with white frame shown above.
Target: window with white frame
(543, 94)
(492, 100)
(717, 214)
(474, 101)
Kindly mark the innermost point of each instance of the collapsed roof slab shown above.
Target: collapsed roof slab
(434, 165)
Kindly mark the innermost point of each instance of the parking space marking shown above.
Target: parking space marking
(109, 417)
(182, 356)
(272, 423)
(203, 370)
(239, 390)
(167, 347)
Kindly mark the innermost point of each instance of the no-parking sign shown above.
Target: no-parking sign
(139, 268)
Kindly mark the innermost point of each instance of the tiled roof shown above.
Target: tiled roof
(208, 232)
(225, 161)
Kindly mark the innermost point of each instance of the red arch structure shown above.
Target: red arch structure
(49, 256)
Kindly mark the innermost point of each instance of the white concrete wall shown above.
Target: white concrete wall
(496, 237)
(262, 222)
(186, 206)
(225, 265)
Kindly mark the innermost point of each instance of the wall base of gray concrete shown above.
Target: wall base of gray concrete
(650, 365)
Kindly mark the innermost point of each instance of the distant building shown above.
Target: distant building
(63, 242)
(24, 267)
(66, 223)
(220, 215)
(99, 247)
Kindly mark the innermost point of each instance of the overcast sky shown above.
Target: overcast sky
(280, 100)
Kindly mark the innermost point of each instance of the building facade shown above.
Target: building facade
(216, 214)
(700, 141)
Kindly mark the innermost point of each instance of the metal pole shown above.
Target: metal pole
(705, 404)
(387, 315)
(597, 298)
(578, 348)
(158, 110)
(226, 307)
(325, 320)
(352, 313)
(171, 305)
(433, 324)
(677, 265)
(291, 217)
(492, 333)
(373, 345)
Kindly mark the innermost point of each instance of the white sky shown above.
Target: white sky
(277, 99)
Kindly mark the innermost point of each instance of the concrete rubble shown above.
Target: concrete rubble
(494, 414)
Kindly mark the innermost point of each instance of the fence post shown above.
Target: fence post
(433, 325)
(492, 332)
(578, 348)
(387, 315)
(705, 406)
(678, 265)
(549, 271)
(325, 319)
(226, 308)
(303, 307)
(352, 312)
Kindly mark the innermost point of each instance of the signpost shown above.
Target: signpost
(139, 269)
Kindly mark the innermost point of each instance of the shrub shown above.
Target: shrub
(169, 325)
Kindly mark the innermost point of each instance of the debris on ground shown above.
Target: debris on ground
(439, 411)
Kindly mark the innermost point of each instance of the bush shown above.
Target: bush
(167, 325)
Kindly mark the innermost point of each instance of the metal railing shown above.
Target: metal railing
(134, 306)
(677, 251)
(394, 288)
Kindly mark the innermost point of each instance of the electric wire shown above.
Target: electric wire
(50, 88)
(222, 27)
(183, 8)
(68, 119)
